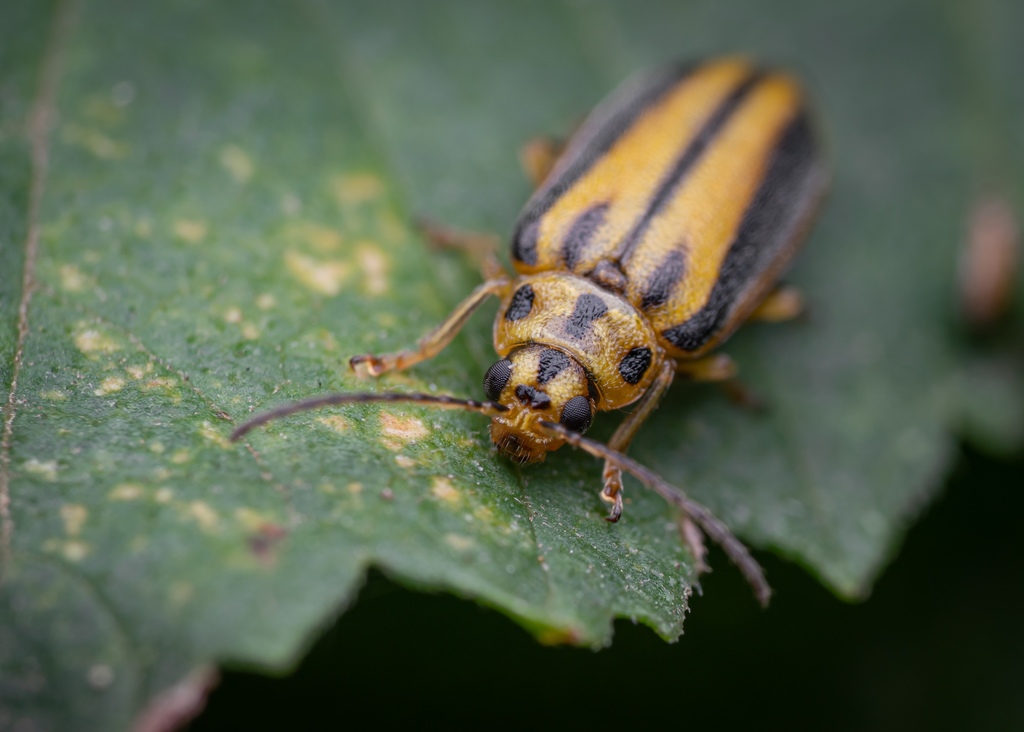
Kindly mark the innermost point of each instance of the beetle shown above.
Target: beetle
(657, 230)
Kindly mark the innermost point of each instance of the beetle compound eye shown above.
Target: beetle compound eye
(576, 415)
(496, 378)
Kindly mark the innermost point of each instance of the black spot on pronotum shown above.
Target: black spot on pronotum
(634, 364)
(521, 304)
(496, 378)
(589, 307)
(664, 279)
(552, 363)
(576, 415)
(581, 232)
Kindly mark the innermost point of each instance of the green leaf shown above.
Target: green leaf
(212, 203)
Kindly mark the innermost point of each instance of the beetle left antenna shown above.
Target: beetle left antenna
(441, 401)
(712, 526)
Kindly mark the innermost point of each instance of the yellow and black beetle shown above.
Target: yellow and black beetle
(659, 229)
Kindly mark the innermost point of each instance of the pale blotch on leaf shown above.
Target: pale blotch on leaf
(323, 276)
(45, 469)
(404, 461)
(93, 341)
(73, 515)
(458, 542)
(53, 395)
(252, 520)
(156, 447)
(322, 239)
(356, 188)
(100, 676)
(138, 372)
(144, 227)
(290, 204)
(203, 514)
(335, 421)
(233, 315)
(94, 142)
(265, 301)
(126, 492)
(237, 162)
(374, 264)
(163, 495)
(74, 550)
(180, 457)
(250, 332)
(109, 385)
(72, 279)
(212, 435)
(190, 230)
(443, 490)
(354, 488)
(400, 430)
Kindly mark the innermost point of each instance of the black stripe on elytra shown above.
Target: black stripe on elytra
(581, 232)
(521, 304)
(589, 307)
(596, 137)
(664, 279)
(793, 182)
(552, 363)
(634, 364)
(686, 162)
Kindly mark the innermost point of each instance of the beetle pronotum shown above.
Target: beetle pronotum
(657, 231)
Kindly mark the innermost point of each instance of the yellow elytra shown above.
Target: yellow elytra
(659, 229)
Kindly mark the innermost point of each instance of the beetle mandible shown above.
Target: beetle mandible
(660, 228)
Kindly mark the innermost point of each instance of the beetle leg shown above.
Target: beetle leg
(783, 303)
(481, 248)
(433, 342)
(612, 476)
(538, 157)
(721, 369)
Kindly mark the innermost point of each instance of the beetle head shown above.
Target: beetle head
(537, 383)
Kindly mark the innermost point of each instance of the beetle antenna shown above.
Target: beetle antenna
(441, 401)
(712, 526)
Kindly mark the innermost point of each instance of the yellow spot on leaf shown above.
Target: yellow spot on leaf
(374, 264)
(442, 489)
(157, 448)
(458, 542)
(95, 142)
(74, 550)
(484, 515)
(144, 228)
(137, 372)
(404, 461)
(73, 279)
(47, 470)
(92, 340)
(126, 492)
(109, 385)
(163, 495)
(73, 515)
(356, 187)
(189, 230)
(53, 395)
(335, 422)
(250, 332)
(237, 162)
(265, 301)
(233, 315)
(407, 429)
(319, 238)
(180, 457)
(250, 519)
(212, 434)
(204, 515)
(324, 276)
(354, 488)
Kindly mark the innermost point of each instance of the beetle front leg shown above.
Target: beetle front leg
(434, 342)
(612, 476)
(481, 248)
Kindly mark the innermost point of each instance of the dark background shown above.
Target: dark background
(938, 645)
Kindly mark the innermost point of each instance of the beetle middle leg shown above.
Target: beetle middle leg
(612, 476)
(480, 247)
(538, 156)
(783, 303)
(433, 342)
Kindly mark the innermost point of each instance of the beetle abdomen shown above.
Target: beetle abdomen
(687, 191)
